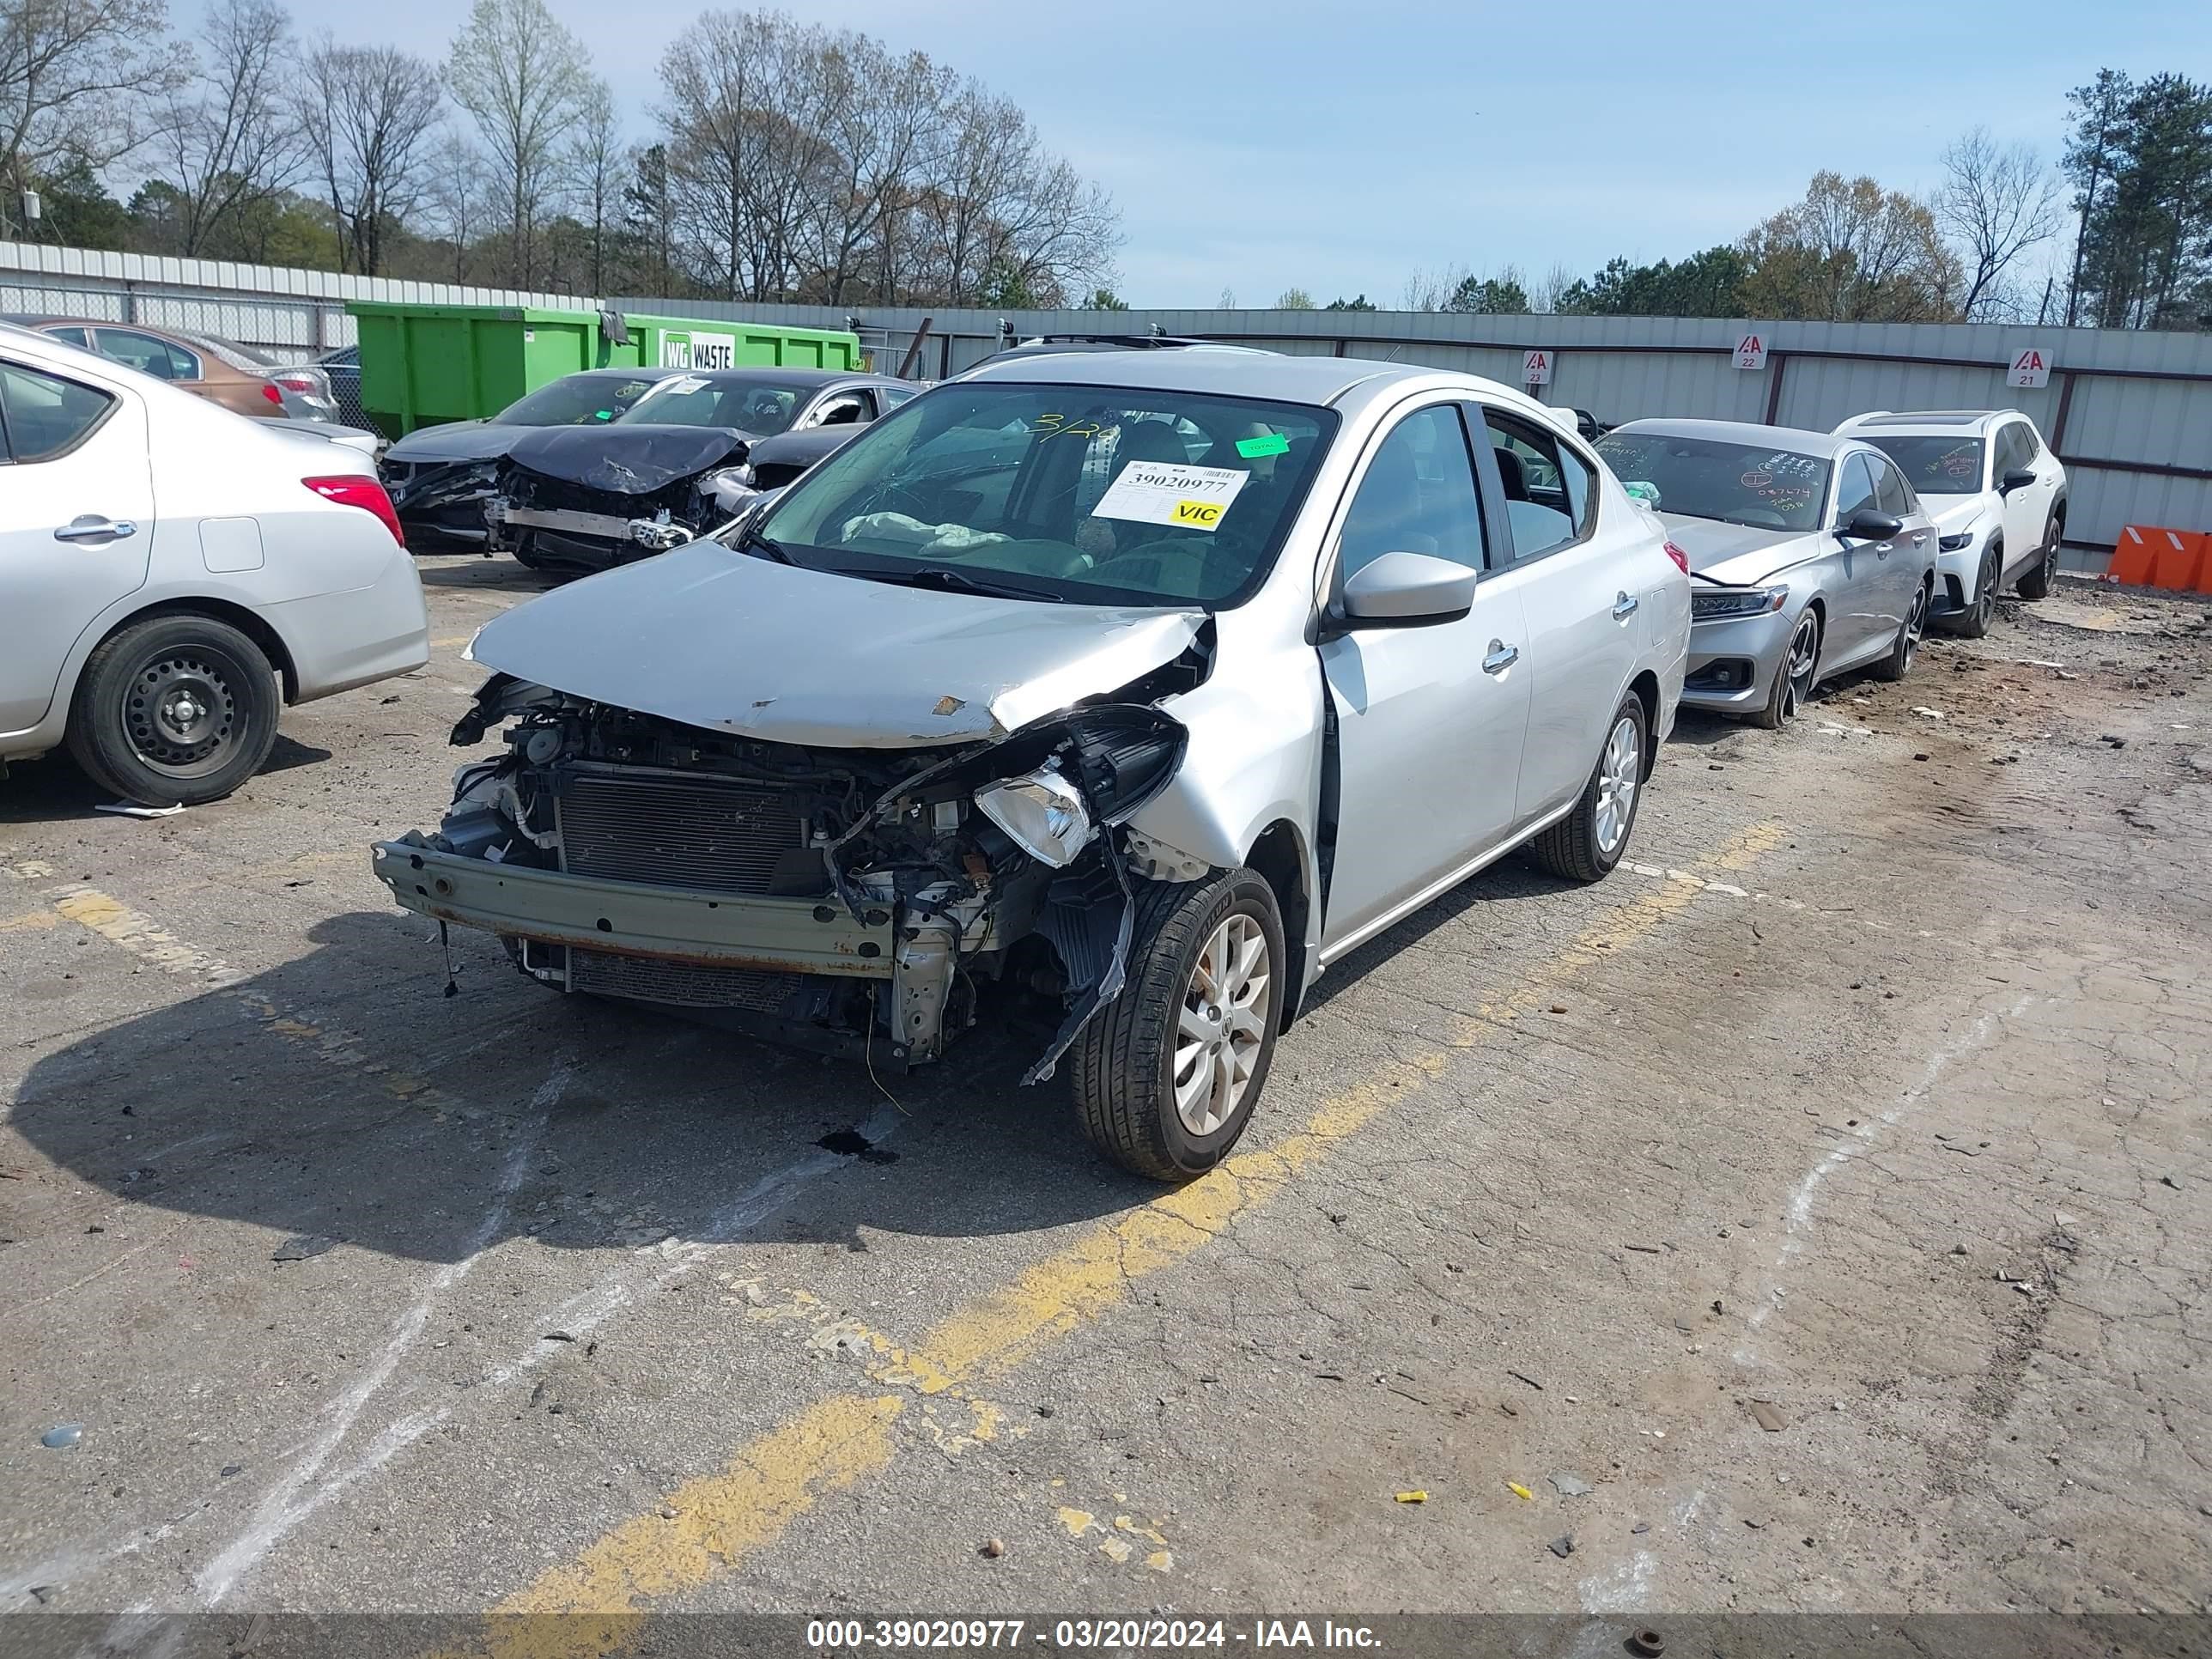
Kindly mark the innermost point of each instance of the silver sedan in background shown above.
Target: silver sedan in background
(1810, 554)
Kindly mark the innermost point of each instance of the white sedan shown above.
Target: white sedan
(172, 574)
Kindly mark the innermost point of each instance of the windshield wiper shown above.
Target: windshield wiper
(955, 581)
(776, 550)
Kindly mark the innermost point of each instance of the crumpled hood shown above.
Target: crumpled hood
(1736, 553)
(627, 461)
(461, 440)
(710, 637)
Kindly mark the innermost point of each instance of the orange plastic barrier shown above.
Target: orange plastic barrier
(2151, 555)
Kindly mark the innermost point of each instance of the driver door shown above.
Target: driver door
(1431, 719)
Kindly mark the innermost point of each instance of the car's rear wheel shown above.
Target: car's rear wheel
(1796, 675)
(1974, 621)
(1587, 844)
(526, 552)
(1898, 663)
(1166, 1075)
(175, 710)
(2036, 584)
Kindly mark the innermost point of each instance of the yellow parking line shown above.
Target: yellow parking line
(721, 1519)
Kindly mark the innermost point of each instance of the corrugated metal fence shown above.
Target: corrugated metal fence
(2130, 413)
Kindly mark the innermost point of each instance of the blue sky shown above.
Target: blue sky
(1338, 148)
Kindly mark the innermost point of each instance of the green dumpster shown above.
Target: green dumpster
(421, 365)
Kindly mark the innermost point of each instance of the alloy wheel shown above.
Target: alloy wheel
(182, 715)
(1916, 623)
(1223, 1025)
(1803, 661)
(1619, 770)
(1985, 600)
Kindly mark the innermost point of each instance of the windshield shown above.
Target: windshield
(1935, 466)
(763, 408)
(577, 400)
(1105, 496)
(1705, 478)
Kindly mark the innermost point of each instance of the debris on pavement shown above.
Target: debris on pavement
(1523, 1377)
(302, 1246)
(1518, 1490)
(128, 809)
(62, 1437)
(1563, 1545)
(1928, 714)
(1767, 1418)
(1417, 1496)
(1648, 1643)
(991, 1548)
(1570, 1485)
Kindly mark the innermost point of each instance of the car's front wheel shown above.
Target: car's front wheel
(1973, 622)
(1166, 1074)
(175, 710)
(1796, 675)
(1587, 844)
(2036, 584)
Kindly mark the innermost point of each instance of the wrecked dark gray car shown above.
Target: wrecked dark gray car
(1126, 689)
(677, 464)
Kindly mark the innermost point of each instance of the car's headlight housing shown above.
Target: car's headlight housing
(1712, 605)
(1043, 813)
(1957, 543)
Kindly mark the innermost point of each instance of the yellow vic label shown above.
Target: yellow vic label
(1202, 516)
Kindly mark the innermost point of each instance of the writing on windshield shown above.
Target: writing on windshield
(1710, 478)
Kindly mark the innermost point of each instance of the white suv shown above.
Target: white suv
(1998, 494)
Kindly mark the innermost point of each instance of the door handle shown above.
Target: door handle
(91, 527)
(1920, 539)
(1502, 657)
(1624, 607)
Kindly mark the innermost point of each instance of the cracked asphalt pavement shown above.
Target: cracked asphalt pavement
(1826, 1193)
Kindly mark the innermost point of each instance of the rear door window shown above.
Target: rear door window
(45, 415)
(1547, 486)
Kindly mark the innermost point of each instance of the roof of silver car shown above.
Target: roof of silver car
(1198, 368)
(1827, 445)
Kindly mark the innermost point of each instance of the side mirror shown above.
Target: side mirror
(2019, 478)
(1869, 525)
(1406, 590)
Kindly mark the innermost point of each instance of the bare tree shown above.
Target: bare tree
(1428, 290)
(226, 140)
(463, 202)
(597, 165)
(77, 79)
(373, 142)
(1996, 203)
(516, 71)
(1544, 293)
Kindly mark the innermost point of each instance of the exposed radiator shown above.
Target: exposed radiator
(710, 833)
(686, 985)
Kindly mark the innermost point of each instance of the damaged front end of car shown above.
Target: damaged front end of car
(594, 498)
(850, 901)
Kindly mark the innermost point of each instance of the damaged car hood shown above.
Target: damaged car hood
(713, 638)
(628, 460)
(1739, 554)
(456, 441)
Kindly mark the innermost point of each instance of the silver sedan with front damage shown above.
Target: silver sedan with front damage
(1811, 556)
(1135, 686)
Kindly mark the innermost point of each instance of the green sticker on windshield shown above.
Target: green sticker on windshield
(602, 414)
(1253, 449)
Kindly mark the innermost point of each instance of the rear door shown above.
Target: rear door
(78, 520)
(1582, 626)
(1430, 719)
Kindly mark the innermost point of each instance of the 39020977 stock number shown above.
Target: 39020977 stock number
(1065, 1634)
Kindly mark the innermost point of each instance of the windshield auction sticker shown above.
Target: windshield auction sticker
(1164, 492)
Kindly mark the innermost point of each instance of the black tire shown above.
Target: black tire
(1575, 848)
(175, 710)
(1898, 663)
(2036, 583)
(1973, 622)
(524, 553)
(1125, 1061)
(1788, 694)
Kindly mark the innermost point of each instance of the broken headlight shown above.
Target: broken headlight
(1043, 813)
